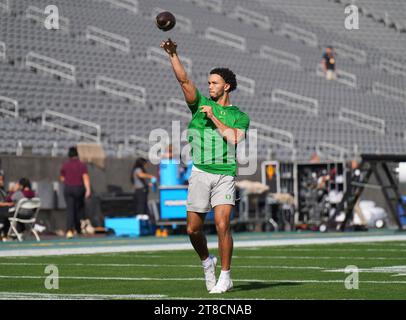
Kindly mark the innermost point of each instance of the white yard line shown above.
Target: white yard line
(131, 265)
(318, 257)
(196, 279)
(337, 250)
(69, 296)
(187, 246)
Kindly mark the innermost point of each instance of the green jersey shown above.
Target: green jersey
(210, 151)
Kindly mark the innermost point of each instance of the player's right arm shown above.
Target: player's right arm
(188, 88)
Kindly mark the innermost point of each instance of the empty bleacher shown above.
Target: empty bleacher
(142, 70)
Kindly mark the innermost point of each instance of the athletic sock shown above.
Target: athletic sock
(207, 263)
(225, 275)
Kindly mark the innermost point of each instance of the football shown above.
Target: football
(165, 21)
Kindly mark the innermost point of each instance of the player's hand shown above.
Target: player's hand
(208, 111)
(169, 46)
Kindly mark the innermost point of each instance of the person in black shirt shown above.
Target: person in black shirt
(329, 63)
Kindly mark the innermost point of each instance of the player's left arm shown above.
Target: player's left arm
(232, 135)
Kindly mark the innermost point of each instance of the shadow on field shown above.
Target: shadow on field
(261, 285)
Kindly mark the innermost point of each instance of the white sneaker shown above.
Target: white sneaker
(222, 286)
(210, 274)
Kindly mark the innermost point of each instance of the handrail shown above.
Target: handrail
(392, 67)
(251, 17)
(347, 78)
(130, 5)
(158, 55)
(246, 84)
(346, 51)
(2, 50)
(309, 38)
(10, 101)
(121, 89)
(42, 62)
(343, 77)
(342, 152)
(96, 137)
(215, 5)
(389, 91)
(226, 38)
(5, 5)
(174, 110)
(362, 120)
(129, 139)
(107, 38)
(280, 56)
(295, 100)
(270, 134)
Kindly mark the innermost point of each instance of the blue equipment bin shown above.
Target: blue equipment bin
(128, 226)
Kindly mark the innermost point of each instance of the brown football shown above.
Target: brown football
(165, 21)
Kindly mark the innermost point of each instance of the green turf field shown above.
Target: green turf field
(288, 272)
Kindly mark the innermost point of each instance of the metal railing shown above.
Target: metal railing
(121, 89)
(130, 5)
(180, 108)
(251, 17)
(392, 67)
(362, 120)
(389, 92)
(347, 78)
(215, 5)
(274, 135)
(51, 65)
(346, 51)
(9, 101)
(342, 76)
(246, 84)
(107, 38)
(2, 50)
(61, 124)
(226, 38)
(309, 38)
(133, 143)
(295, 100)
(158, 55)
(279, 56)
(331, 151)
(5, 5)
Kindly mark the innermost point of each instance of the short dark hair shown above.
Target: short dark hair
(140, 163)
(73, 152)
(228, 76)
(25, 183)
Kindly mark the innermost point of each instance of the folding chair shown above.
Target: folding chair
(26, 213)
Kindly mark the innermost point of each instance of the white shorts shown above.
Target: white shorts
(330, 75)
(207, 190)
